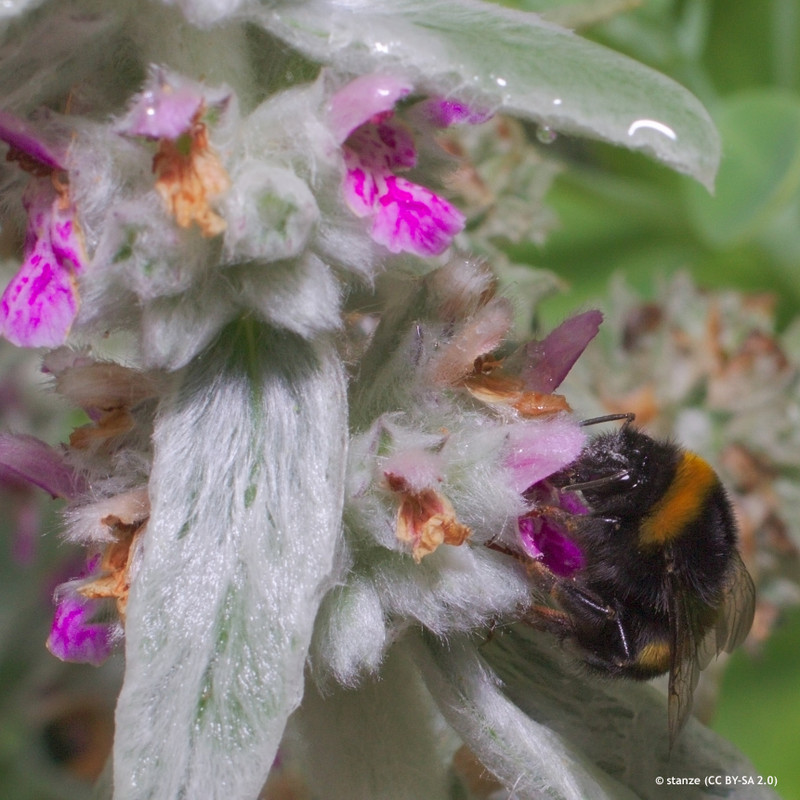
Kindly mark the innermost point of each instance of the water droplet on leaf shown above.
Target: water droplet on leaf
(545, 134)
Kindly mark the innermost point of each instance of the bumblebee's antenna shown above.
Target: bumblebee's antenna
(628, 416)
(622, 476)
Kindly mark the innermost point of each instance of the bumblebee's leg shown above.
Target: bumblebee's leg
(606, 613)
(623, 638)
(588, 612)
(576, 600)
(550, 620)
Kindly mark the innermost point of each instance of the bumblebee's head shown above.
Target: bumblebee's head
(622, 473)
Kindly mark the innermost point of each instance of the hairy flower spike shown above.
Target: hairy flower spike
(102, 475)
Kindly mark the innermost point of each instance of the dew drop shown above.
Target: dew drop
(652, 125)
(545, 134)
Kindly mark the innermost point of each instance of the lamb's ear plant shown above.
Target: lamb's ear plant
(246, 255)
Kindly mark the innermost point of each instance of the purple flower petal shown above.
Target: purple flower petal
(39, 305)
(24, 137)
(361, 187)
(29, 460)
(74, 637)
(362, 99)
(544, 540)
(384, 145)
(370, 155)
(163, 110)
(538, 448)
(410, 218)
(406, 217)
(549, 360)
(441, 112)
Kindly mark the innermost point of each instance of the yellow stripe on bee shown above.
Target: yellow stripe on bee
(681, 503)
(654, 656)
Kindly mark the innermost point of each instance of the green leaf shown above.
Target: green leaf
(576, 13)
(246, 495)
(492, 55)
(760, 170)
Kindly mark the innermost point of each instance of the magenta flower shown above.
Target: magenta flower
(39, 305)
(543, 532)
(189, 174)
(539, 448)
(27, 460)
(165, 109)
(547, 542)
(548, 361)
(75, 634)
(376, 145)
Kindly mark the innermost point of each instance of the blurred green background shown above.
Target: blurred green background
(620, 212)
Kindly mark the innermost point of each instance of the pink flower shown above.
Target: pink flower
(76, 634)
(39, 305)
(85, 626)
(548, 361)
(544, 533)
(539, 448)
(406, 217)
(25, 459)
(38, 151)
(165, 109)
(189, 174)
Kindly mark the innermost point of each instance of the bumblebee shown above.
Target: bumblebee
(661, 586)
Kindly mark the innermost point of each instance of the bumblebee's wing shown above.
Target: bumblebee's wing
(684, 669)
(692, 652)
(738, 608)
(735, 614)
